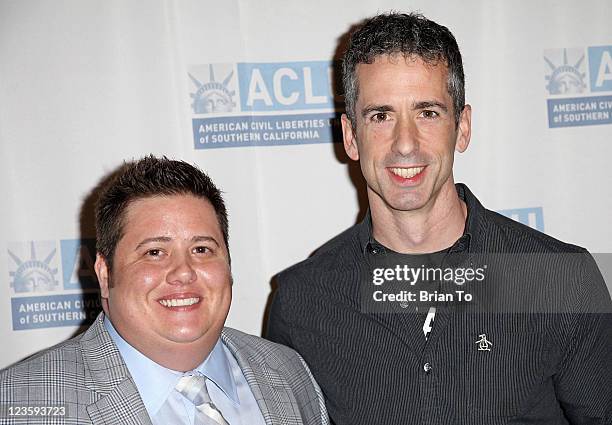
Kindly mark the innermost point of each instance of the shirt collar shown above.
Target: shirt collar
(216, 367)
(364, 232)
(473, 223)
(155, 382)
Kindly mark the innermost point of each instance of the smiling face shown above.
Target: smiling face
(405, 133)
(170, 287)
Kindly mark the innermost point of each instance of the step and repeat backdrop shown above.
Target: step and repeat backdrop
(247, 90)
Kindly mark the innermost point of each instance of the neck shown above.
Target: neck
(182, 359)
(177, 356)
(434, 227)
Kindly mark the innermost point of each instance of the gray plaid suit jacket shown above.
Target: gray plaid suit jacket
(88, 376)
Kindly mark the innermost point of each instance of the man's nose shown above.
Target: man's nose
(405, 137)
(182, 271)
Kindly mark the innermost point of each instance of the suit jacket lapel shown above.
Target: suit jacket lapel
(117, 398)
(266, 383)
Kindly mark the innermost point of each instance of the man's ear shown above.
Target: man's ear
(464, 130)
(103, 275)
(348, 137)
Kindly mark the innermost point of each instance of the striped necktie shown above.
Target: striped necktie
(194, 388)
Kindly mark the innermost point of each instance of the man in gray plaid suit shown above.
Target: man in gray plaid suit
(159, 354)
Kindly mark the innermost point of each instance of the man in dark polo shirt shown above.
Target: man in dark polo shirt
(434, 310)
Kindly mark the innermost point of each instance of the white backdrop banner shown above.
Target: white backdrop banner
(247, 90)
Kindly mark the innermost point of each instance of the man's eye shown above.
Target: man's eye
(380, 117)
(429, 114)
(201, 250)
(154, 252)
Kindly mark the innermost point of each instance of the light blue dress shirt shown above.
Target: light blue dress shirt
(226, 385)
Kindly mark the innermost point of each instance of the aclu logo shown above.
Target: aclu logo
(532, 217)
(34, 267)
(566, 77)
(212, 96)
(262, 104)
(568, 72)
(40, 298)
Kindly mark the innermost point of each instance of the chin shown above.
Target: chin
(185, 338)
(196, 333)
(407, 208)
(412, 204)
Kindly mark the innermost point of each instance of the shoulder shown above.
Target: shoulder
(340, 252)
(275, 355)
(492, 232)
(562, 276)
(44, 369)
(252, 350)
(66, 367)
(64, 351)
(271, 364)
(507, 235)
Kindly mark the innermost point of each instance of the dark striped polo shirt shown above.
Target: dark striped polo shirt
(532, 346)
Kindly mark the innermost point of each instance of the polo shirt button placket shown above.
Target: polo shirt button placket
(375, 250)
(427, 368)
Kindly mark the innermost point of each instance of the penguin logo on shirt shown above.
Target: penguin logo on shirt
(483, 343)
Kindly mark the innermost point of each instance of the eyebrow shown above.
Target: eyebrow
(204, 239)
(167, 239)
(429, 104)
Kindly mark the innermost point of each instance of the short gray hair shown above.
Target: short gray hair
(407, 34)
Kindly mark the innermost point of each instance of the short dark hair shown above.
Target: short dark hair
(144, 178)
(406, 34)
